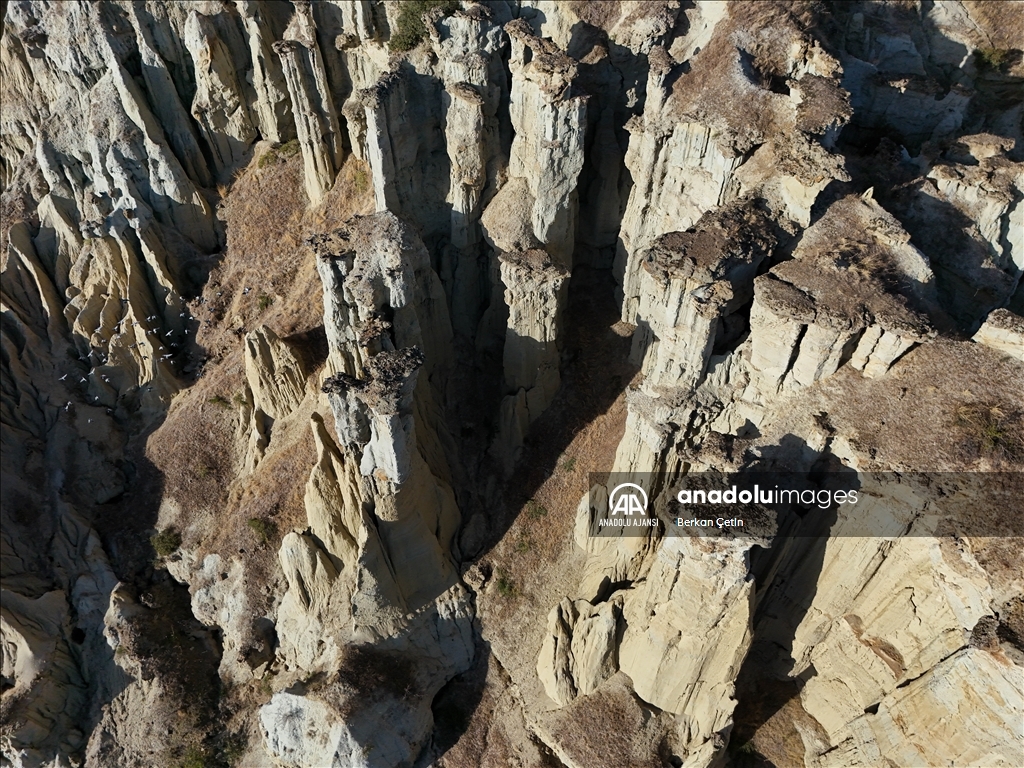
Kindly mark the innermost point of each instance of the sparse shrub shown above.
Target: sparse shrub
(239, 399)
(203, 471)
(195, 757)
(264, 302)
(263, 528)
(367, 673)
(267, 158)
(504, 584)
(220, 400)
(409, 28)
(360, 181)
(993, 58)
(233, 749)
(535, 510)
(165, 543)
(569, 464)
(275, 154)
(524, 545)
(266, 684)
(990, 431)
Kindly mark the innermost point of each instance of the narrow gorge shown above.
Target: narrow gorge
(330, 327)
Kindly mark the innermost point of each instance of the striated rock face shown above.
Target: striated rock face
(1004, 331)
(691, 287)
(941, 693)
(549, 122)
(322, 324)
(775, 119)
(220, 108)
(877, 323)
(536, 291)
(580, 649)
(316, 121)
(275, 375)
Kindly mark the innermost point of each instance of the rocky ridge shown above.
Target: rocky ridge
(283, 526)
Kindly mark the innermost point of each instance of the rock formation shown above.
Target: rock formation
(327, 328)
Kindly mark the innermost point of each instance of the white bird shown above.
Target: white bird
(63, 377)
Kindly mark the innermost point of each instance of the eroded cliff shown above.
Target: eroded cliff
(317, 316)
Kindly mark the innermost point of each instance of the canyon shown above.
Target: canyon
(325, 324)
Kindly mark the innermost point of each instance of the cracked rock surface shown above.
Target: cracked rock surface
(322, 325)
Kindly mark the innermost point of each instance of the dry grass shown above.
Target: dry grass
(778, 740)
(613, 728)
(990, 431)
(366, 674)
(923, 395)
(266, 276)
(997, 22)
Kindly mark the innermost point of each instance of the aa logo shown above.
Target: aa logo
(627, 499)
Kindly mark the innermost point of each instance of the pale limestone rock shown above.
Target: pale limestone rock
(299, 731)
(981, 692)
(405, 148)
(1003, 331)
(272, 108)
(549, 121)
(381, 726)
(258, 438)
(536, 292)
(42, 683)
(219, 106)
(173, 115)
(804, 325)
(276, 375)
(580, 649)
(220, 600)
(316, 120)
(506, 221)
(333, 497)
(469, 47)
(979, 257)
(689, 285)
(314, 613)
(687, 147)
(376, 263)
(863, 644)
(386, 488)
(688, 629)
(117, 197)
(308, 569)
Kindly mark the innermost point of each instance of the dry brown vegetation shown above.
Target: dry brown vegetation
(198, 450)
(365, 674)
(991, 431)
(921, 397)
(612, 727)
